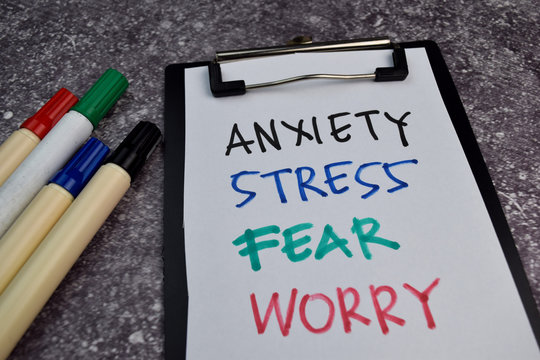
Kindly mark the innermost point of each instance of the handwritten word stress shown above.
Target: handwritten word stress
(334, 175)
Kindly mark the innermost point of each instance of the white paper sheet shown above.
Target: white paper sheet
(439, 221)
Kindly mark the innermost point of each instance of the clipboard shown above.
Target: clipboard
(177, 305)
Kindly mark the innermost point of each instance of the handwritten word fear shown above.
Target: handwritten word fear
(338, 123)
(305, 177)
(329, 242)
(348, 313)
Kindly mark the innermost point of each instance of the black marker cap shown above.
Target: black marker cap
(132, 153)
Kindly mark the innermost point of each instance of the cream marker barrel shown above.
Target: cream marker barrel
(58, 146)
(36, 281)
(37, 219)
(22, 141)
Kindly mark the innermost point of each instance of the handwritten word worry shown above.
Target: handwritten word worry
(347, 313)
(329, 242)
(339, 125)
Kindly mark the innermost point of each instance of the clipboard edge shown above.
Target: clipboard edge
(463, 128)
(176, 349)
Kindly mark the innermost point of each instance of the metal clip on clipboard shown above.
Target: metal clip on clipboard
(222, 88)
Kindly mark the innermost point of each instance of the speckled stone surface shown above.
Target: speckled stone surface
(110, 304)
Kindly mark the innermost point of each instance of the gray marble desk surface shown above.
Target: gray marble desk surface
(110, 304)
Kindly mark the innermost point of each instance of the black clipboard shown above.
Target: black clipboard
(175, 288)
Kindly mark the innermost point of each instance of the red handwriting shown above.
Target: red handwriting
(347, 314)
(424, 297)
(383, 315)
(331, 312)
(274, 303)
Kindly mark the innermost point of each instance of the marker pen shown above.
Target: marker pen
(19, 144)
(34, 223)
(58, 146)
(36, 281)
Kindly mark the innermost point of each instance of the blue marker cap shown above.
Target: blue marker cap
(80, 169)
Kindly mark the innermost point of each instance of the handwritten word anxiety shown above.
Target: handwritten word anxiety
(339, 125)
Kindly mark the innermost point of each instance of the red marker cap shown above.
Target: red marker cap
(46, 117)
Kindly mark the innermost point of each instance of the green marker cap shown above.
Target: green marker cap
(102, 96)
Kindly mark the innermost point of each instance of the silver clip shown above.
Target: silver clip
(300, 45)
